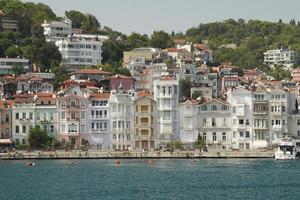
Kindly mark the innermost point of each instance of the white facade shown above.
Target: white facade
(7, 65)
(78, 50)
(121, 115)
(215, 124)
(283, 57)
(241, 118)
(23, 120)
(56, 30)
(98, 127)
(188, 122)
(166, 95)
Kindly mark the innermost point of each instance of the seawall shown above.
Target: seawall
(133, 154)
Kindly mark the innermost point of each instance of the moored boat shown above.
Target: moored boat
(286, 150)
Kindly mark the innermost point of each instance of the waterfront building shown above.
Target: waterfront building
(98, 118)
(81, 50)
(166, 95)
(23, 118)
(215, 124)
(145, 122)
(242, 116)
(57, 30)
(285, 57)
(6, 118)
(121, 118)
(7, 65)
(46, 113)
(72, 117)
(188, 122)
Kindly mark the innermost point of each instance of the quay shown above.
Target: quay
(97, 154)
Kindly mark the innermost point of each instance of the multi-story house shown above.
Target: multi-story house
(72, 116)
(56, 30)
(98, 119)
(6, 118)
(121, 118)
(215, 124)
(23, 118)
(278, 112)
(46, 112)
(7, 65)
(242, 118)
(79, 49)
(187, 70)
(166, 95)
(261, 135)
(188, 122)
(285, 57)
(144, 126)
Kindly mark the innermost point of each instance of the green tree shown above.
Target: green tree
(279, 73)
(200, 143)
(197, 94)
(135, 40)
(18, 69)
(39, 138)
(185, 88)
(160, 39)
(90, 24)
(76, 17)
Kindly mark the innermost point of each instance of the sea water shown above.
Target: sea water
(162, 179)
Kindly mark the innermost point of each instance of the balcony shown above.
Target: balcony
(260, 127)
(277, 127)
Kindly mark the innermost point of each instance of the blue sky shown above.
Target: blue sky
(144, 16)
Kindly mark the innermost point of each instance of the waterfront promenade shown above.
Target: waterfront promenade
(97, 154)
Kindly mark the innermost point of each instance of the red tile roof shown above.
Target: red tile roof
(104, 95)
(92, 71)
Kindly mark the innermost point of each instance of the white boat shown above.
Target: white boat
(286, 150)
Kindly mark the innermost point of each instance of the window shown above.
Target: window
(214, 136)
(73, 103)
(204, 108)
(17, 141)
(223, 136)
(63, 115)
(17, 115)
(23, 129)
(241, 121)
(52, 128)
(247, 121)
(82, 103)
(6, 118)
(24, 141)
(114, 124)
(213, 122)
(82, 128)
(204, 121)
(30, 115)
(234, 109)
(63, 128)
(241, 134)
(63, 104)
(23, 115)
(298, 132)
(247, 146)
(213, 107)
(247, 134)
(298, 122)
(144, 108)
(73, 115)
(51, 116)
(283, 109)
(204, 136)
(128, 124)
(17, 129)
(128, 136)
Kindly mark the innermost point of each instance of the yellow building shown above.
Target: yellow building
(144, 128)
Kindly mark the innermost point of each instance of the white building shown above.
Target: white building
(188, 122)
(7, 65)
(283, 57)
(166, 95)
(23, 118)
(121, 115)
(80, 49)
(57, 30)
(242, 119)
(215, 124)
(98, 114)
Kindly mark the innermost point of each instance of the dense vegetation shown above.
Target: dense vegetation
(248, 39)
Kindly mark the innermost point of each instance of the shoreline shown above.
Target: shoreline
(76, 154)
